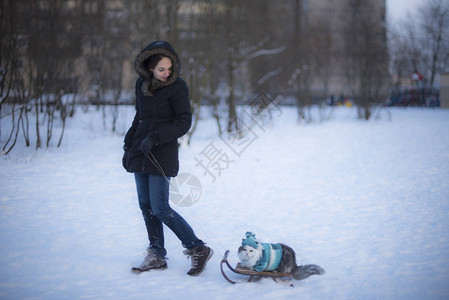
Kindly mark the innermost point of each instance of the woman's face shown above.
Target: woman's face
(163, 69)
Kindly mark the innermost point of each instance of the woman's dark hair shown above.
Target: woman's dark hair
(153, 60)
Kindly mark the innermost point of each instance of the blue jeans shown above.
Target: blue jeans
(152, 192)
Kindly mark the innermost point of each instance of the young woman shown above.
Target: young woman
(151, 152)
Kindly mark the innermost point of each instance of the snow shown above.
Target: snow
(366, 200)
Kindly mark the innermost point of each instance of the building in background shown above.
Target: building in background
(301, 48)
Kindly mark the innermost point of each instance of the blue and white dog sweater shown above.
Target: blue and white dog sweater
(271, 253)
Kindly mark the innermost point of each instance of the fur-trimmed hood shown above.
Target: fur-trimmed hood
(140, 64)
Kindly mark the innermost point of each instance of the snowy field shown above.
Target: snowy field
(366, 200)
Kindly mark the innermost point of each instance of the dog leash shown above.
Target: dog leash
(157, 165)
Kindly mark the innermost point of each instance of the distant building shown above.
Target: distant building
(98, 40)
(346, 19)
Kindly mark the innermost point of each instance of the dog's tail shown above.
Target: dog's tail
(302, 272)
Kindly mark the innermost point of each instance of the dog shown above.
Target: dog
(280, 258)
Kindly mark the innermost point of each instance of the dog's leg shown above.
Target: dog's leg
(283, 281)
(254, 278)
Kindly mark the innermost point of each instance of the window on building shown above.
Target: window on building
(91, 7)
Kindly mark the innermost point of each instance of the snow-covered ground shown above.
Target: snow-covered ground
(366, 200)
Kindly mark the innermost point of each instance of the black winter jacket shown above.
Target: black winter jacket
(162, 112)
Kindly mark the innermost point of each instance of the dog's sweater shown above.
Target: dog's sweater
(271, 257)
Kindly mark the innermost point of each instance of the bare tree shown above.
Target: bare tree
(54, 44)
(151, 20)
(14, 81)
(9, 49)
(367, 56)
(231, 50)
(434, 18)
(47, 43)
(420, 44)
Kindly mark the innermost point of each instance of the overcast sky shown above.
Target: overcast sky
(397, 9)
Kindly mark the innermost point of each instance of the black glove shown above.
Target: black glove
(147, 144)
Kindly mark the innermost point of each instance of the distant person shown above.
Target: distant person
(341, 100)
(151, 152)
(331, 100)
